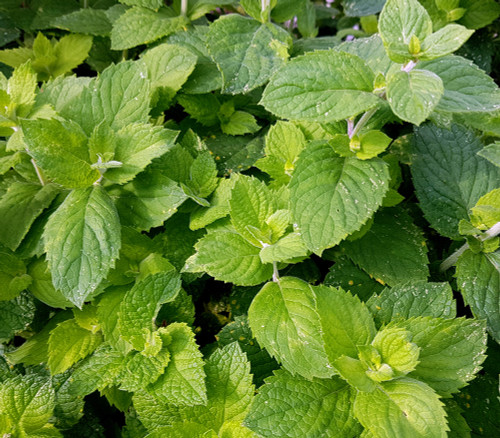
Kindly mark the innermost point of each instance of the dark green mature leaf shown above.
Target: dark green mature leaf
(478, 276)
(321, 86)
(331, 196)
(82, 240)
(293, 406)
(291, 333)
(87, 21)
(246, 51)
(449, 176)
(16, 315)
(357, 8)
(393, 236)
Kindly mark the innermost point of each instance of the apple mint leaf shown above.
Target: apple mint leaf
(292, 332)
(463, 176)
(139, 25)
(139, 370)
(285, 249)
(154, 414)
(403, 407)
(13, 276)
(408, 300)
(444, 41)
(60, 149)
(479, 13)
(246, 51)
(82, 240)
(118, 98)
(22, 89)
(451, 350)
(345, 322)
(356, 8)
(28, 402)
(467, 88)
(19, 208)
(202, 176)
(414, 95)
(321, 86)
(42, 287)
(486, 213)
(399, 21)
(331, 196)
(230, 401)
(136, 145)
(183, 382)
(68, 343)
(228, 257)
(87, 21)
(293, 406)
(141, 304)
(355, 373)
(478, 277)
(393, 236)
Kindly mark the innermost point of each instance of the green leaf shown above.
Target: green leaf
(467, 88)
(393, 250)
(141, 304)
(142, 26)
(150, 4)
(181, 430)
(234, 429)
(13, 276)
(417, 298)
(447, 366)
(491, 153)
(399, 21)
(403, 407)
(414, 95)
(68, 343)
(118, 98)
(203, 175)
(479, 13)
(136, 145)
(246, 52)
(69, 52)
(28, 401)
(16, 315)
(292, 331)
(486, 212)
(82, 240)
(149, 200)
(321, 86)
(478, 277)
(355, 373)
(22, 89)
(345, 322)
(87, 21)
(444, 42)
(293, 406)
(240, 123)
(230, 401)
(183, 382)
(19, 208)
(60, 149)
(228, 257)
(286, 249)
(448, 175)
(331, 197)
(356, 8)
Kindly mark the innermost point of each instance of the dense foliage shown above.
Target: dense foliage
(272, 218)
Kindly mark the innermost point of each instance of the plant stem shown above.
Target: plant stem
(350, 127)
(184, 7)
(85, 4)
(38, 173)
(451, 260)
(362, 122)
(276, 275)
(409, 66)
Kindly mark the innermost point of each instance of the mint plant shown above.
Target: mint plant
(249, 219)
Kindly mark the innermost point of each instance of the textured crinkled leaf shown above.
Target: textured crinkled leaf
(467, 88)
(393, 236)
(87, 21)
(371, 50)
(228, 257)
(96, 371)
(414, 95)
(139, 370)
(451, 350)
(246, 51)
(219, 206)
(321, 86)
(69, 407)
(60, 149)
(28, 401)
(136, 145)
(345, 322)
(82, 240)
(448, 175)
(403, 407)
(203, 175)
(251, 204)
(141, 304)
(183, 382)
(293, 406)
(398, 22)
(478, 277)
(292, 331)
(142, 26)
(417, 298)
(331, 197)
(444, 41)
(231, 400)
(118, 97)
(152, 413)
(68, 343)
(19, 208)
